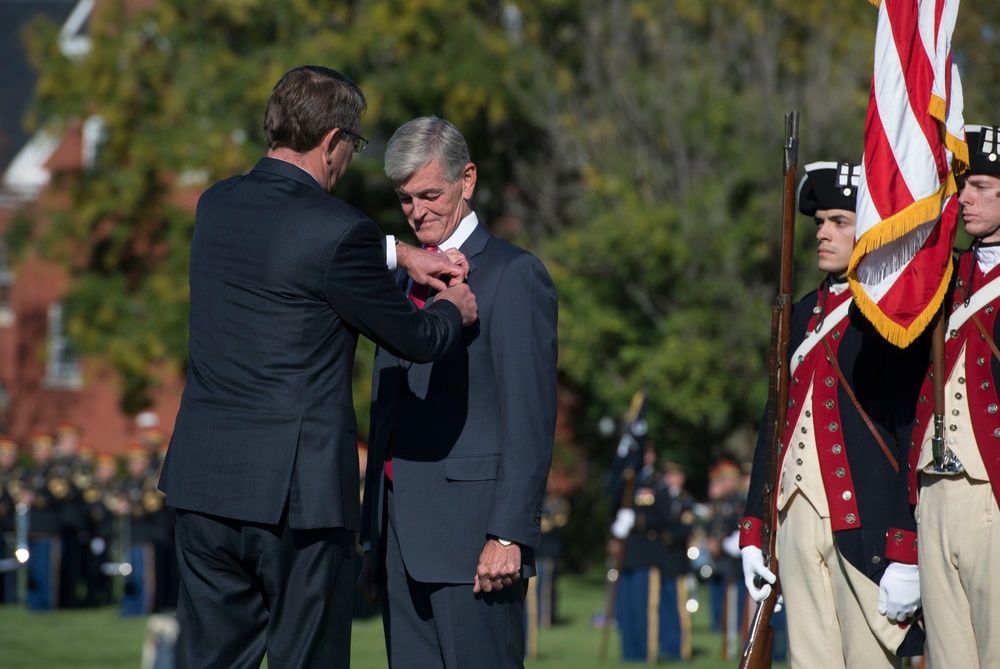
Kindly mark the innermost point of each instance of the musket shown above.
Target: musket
(617, 556)
(757, 652)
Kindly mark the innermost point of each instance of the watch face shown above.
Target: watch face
(504, 542)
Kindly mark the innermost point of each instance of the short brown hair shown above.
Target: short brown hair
(308, 102)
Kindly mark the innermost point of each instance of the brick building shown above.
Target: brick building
(42, 381)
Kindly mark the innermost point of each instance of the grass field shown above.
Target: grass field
(101, 639)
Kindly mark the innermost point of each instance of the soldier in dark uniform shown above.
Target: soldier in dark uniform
(103, 498)
(10, 483)
(726, 594)
(74, 526)
(677, 506)
(648, 609)
(161, 520)
(555, 516)
(143, 501)
(44, 488)
(843, 473)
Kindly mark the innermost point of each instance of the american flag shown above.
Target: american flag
(914, 140)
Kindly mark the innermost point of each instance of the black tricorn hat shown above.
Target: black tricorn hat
(984, 149)
(828, 185)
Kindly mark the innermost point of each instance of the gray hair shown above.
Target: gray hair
(417, 142)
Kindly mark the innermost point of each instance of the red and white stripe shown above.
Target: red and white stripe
(907, 209)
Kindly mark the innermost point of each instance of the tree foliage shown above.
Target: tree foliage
(634, 144)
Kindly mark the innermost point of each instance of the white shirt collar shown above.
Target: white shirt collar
(988, 257)
(461, 234)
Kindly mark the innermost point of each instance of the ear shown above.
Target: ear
(329, 143)
(468, 181)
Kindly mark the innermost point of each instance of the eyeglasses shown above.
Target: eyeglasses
(359, 142)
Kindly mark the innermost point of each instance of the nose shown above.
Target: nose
(822, 232)
(963, 192)
(419, 209)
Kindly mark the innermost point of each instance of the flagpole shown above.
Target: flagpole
(937, 371)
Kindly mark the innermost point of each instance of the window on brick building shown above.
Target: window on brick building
(6, 279)
(62, 369)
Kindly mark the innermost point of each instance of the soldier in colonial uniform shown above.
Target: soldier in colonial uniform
(43, 490)
(843, 468)
(958, 487)
(648, 609)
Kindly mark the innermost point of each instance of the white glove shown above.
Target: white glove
(624, 522)
(731, 544)
(899, 592)
(753, 565)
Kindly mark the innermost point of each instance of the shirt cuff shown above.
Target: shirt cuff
(390, 252)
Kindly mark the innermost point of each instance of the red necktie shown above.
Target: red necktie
(418, 295)
(420, 292)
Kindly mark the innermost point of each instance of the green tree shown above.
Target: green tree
(634, 144)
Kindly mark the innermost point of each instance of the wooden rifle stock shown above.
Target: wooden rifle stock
(615, 573)
(757, 652)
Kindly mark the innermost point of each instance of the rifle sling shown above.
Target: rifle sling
(857, 405)
(986, 335)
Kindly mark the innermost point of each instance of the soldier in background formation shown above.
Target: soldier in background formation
(726, 499)
(88, 525)
(43, 489)
(651, 606)
(10, 480)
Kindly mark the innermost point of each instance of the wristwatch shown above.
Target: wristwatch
(504, 542)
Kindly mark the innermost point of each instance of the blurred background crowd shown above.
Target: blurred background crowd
(87, 528)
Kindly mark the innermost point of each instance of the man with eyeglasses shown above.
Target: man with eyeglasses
(262, 465)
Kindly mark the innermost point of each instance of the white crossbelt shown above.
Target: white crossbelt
(813, 338)
(980, 299)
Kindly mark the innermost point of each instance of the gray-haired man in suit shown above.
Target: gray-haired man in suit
(263, 464)
(459, 449)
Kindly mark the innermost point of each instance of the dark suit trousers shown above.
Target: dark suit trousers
(444, 625)
(247, 588)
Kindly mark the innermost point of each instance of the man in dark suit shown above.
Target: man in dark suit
(460, 449)
(263, 466)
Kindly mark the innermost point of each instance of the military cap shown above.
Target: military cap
(103, 458)
(153, 437)
(7, 446)
(724, 469)
(984, 149)
(671, 466)
(828, 185)
(67, 429)
(136, 451)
